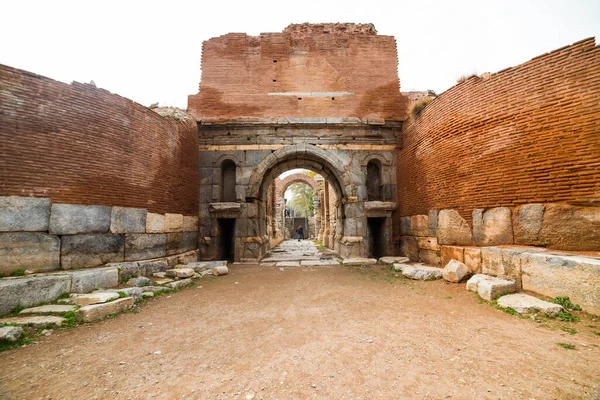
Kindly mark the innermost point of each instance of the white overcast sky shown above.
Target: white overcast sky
(149, 51)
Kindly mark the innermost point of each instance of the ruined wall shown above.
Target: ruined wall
(527, 134)
(306, 71)
(82, 145)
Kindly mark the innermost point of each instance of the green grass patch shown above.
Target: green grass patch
(567, 346)
(23, 340)
(565, 302)
(566, 316)
(570, 330)
(19, 272)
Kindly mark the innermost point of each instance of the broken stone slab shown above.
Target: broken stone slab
(162, 281)
(453, 229)
(138, 282)
(10, 333)
(135, 292)
(49, 309)
(86, 280)
(288, 264)
(393, 260)
(24, 214)
(489, 287)
(492, 227)
(128, 220)
(71, 219)
(180, 272)
(526, 304)
(179, 284)
(29, 292)
(316, 263)
(200, 266)
(95, 312)
(455, 271)
(220, 270)
(359, 261)
(91, 250)
(37, 320)
(421, 272)
(35, 251)
(95, 298)
(156, 289)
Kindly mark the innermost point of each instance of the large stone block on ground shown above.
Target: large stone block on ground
(526, 304)
(572, 276)
(356, 261)
(571, 228)
(527, 224)
(190, 223)
(179, 284)
(218, 271)
(472, 259)
(49, 309)
(128, 220)
(91, 250)
(135, 292)
(489, 287)
(35, 320)
(142, 246)
(173, 222)
(182, 272)
(409, 247)
(200, 266)
(71, 219)
(492, 227)
(86, 280)
(393, 260)
(453, 229)
(95, 312)
(24, 214)
(419, 225)
(430, 257)
(155, 223)
(147, 268)
(420, 272)
(451, 253)
(455, 271)
(34, 251)
(503, 262)
(28, 292)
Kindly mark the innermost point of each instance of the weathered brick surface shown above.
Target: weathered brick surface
(527, 134)
(239, 72)
(81, 145)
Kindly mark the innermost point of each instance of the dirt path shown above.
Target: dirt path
(323, 332)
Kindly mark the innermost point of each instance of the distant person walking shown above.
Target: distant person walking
(300, 232)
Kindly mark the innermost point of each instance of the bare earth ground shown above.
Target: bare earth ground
(309, 332)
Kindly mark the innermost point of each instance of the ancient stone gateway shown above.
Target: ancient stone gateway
(302, 98)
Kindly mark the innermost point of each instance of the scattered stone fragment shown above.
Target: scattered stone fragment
(180, 272)
(179, 284)
(95, 312)
(204, 265)
(250, 395)
(221, 270)
(95, 298)
(393, 260)
(489, 287)
(37, 320)
(10, 333)
(421, 272)
(49, 309)
(141, 281)
(526, 304)
(359, 261)
(455, 271)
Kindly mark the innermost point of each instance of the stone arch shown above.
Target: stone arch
(219, 161)
(299, 156)
(375, 156)
(283, 184)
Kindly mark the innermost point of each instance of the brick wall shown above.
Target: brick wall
(529, 133)
(239, 72)
(79, 144)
